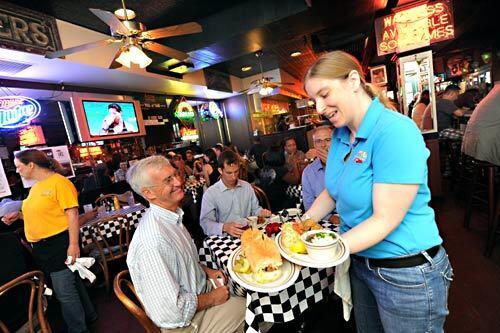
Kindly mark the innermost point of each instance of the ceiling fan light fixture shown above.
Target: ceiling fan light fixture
(137, 56)
(124, 58)
(246, 68)
(120, 13)
(295, 54)
(265, 91)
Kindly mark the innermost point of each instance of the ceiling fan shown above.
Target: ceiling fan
(265, 85)
(133, 37)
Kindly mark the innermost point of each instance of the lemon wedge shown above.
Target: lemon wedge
(241, 265)
(298, 247)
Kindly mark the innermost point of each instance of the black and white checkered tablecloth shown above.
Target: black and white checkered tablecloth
(311, 286)
(451, 134)
(193, 186)
(110, 229)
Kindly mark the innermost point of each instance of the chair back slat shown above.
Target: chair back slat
(262, 197)
(137, 310)
(36, 282)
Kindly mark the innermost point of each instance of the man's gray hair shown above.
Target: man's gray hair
(138, 174)
(322, 128)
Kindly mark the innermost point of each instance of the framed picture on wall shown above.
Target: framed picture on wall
(378, 75)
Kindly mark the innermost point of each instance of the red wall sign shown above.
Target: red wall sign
(411, 28)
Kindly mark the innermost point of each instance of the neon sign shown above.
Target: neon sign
(214, 110)
(184, 111)
(17, 111)
(31, 135)
(411, 28)
(189, 134)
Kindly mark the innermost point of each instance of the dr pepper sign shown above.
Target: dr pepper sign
(409, 28)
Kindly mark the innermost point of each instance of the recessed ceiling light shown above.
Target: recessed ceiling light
(120, 13)
(246, 68)
(295, 54)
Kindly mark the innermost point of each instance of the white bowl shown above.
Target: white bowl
(328, 250)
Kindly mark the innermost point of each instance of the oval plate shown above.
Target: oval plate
(271, 219)
(290, 273)
(306, 260)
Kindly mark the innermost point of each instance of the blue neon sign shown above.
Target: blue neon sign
(17, 111)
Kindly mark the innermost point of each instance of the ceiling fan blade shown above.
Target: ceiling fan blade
(115, 64)
(253, 90)
(174, 30)
(165, 50)
(110, 19)
(83, 47)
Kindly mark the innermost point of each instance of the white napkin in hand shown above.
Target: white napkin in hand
(81, 265)
(342, 287)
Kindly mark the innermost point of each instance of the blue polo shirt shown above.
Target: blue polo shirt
(390, 149)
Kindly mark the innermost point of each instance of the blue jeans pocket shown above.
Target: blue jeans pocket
(401, 277)
(447, 274)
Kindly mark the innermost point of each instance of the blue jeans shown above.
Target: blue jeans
(413, 299)
(75, 302)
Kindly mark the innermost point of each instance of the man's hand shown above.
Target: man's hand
(312, 153)
(215, 275)
(219, 296)
(73, 252)
(265, 213)
(11, 217)
(322, 154)
(234, 229)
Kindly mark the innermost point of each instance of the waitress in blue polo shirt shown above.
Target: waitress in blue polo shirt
(376, 177)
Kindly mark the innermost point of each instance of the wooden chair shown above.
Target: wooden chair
(111, 249)
(36, 282)
(262, 197)
(107, 199)
(135, 307)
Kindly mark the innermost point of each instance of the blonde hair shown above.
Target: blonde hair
(338, 65)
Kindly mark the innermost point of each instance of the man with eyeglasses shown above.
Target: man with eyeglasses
(313, 177)
(164, 265)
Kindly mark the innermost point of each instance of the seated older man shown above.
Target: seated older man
(163, 261)
(229, 201)
(313, 177)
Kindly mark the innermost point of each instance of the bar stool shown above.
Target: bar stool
(481, 167)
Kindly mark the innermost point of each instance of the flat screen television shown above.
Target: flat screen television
(103, 119)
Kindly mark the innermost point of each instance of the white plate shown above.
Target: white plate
(273, 218)
(306, 260)
(290, 273)
(292, 212)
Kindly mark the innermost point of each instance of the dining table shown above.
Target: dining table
(311, 286)
(132, 213)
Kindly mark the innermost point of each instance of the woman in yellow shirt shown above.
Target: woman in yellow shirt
(50, 214)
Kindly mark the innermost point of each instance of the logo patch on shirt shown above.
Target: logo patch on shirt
(47, 193)
(361, 156)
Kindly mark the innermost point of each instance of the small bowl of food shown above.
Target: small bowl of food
(322, 245)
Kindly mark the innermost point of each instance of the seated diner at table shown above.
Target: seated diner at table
(178, 293)
(229, 201)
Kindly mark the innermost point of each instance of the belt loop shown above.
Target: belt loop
(428, 257)
(367, 263)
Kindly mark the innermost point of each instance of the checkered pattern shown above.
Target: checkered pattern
(294, 191)
(311, 286)
(193, 186)
(110, 229)
(451, 134)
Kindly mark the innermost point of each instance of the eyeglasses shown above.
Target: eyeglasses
(169, 181)
(321, 141)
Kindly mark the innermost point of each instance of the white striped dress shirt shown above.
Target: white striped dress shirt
(164, 267)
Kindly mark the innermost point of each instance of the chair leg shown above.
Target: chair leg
(492, 230)
(468, 207)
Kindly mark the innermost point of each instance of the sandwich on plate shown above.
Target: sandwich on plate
(262, 254)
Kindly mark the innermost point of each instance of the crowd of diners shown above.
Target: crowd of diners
(368, 165)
